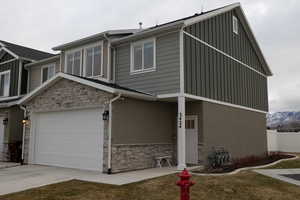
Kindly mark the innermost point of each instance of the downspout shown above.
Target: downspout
(23, 135)
(109, 131)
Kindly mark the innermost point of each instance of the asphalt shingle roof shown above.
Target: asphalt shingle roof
(26, 52)
(112, 85)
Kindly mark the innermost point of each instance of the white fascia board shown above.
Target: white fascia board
(60, 76)
(135, 95)
(211, 14)
(54, 58)
(10, 52)
(39, 89)
(223, 103)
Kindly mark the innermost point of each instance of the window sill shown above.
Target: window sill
(142, 71)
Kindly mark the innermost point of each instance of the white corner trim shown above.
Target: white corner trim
(181, 58)
(20, 77)
(223, 103)
(223, 53)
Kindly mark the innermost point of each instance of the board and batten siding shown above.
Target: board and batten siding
(166, 78)
(213, 75)
(14, 67)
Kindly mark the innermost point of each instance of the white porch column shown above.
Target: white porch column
(181, 134)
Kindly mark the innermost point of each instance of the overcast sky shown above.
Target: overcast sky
(44, 24)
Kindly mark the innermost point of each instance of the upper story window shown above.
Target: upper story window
(143, 56)
(235, 25)
(48, 72)
(4, 83)
(93, 61)
(73, 62)
(86, 61)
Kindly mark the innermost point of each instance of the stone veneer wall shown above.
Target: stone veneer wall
(67, 95)
(126, 157)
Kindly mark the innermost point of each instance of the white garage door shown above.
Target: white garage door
(72, 139)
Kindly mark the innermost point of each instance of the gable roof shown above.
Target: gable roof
(24, 52)
(187, 21)
(101, 85)
(52, 59)
(95, 37)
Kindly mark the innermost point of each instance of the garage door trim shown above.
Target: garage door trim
(33, 134)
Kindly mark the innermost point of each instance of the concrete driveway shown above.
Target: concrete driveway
(25, 177)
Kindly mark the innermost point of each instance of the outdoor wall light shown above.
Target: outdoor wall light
(105, 115)
(5, 121)
(25, 121)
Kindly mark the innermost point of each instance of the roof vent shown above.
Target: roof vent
(141, 25)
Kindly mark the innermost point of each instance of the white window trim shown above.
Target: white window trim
(84, 59)
(47, 66)
(6, 72)
(72, 52)
(132, 71)
(235, 24)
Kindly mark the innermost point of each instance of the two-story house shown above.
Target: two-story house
(13, 86)
(122, 98)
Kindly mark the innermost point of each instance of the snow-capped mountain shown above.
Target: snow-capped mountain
(282, 119)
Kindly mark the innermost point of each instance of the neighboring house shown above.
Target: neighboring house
(177, 89)
(13, 85)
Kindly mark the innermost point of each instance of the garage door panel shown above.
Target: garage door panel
(70, 139)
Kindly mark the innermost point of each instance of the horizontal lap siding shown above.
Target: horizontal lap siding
(162, 81)
(14, 75)
(213, 75)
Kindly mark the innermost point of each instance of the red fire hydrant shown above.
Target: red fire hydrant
(185, 184)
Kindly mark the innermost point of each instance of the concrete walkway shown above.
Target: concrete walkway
(31, 176)
(282, 174)
(8, 164)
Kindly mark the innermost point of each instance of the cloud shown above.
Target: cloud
(45, 24)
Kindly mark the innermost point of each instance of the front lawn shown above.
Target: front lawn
(242, 186)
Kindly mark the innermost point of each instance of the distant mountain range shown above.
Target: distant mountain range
(284, 120)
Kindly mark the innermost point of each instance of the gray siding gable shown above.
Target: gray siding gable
(218, 32)
(212, 75)
(164, 80)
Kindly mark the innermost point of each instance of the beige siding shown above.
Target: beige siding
(241, 132)
(143, 122)
(35, 74)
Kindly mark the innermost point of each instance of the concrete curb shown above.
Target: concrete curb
(247, 168)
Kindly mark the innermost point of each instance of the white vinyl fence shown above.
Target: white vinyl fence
(284, 142)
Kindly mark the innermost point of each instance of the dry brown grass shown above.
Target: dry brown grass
(242, 186)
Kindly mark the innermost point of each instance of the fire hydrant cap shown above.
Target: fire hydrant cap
(184, 174)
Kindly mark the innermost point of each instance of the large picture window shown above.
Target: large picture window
(93, 61)
(4, 83)
(143, 56)
(48, 72)
(73, 63)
